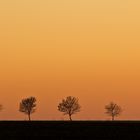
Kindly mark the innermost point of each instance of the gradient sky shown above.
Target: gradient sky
(85, 48)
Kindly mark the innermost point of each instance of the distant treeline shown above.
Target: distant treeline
(68, 106)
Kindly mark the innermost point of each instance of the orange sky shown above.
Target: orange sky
(54, 48)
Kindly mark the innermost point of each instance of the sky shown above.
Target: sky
(51, 49)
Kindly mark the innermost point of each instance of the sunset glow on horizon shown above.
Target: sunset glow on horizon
(51, 49)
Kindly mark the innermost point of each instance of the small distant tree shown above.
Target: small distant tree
(28, 106)
(1, 107)
(113, 110)
(69, 106)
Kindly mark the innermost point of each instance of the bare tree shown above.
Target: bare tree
(113, 110)
(28, 106)
(1, 107)
(69, 106)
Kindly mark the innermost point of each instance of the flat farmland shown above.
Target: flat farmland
(65, 130)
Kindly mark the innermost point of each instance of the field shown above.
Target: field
(65, 130)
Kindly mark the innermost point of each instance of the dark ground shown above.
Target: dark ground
(64, 130)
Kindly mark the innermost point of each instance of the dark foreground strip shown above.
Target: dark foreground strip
(76, 130)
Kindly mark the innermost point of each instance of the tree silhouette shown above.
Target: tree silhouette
(28, 106)
(113, 110)
(1, 107)
(69, 106)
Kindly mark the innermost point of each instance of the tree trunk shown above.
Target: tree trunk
(113, 117)
(70, 117)
(29, 116)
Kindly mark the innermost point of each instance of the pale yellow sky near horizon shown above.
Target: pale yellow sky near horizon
(54, 48)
